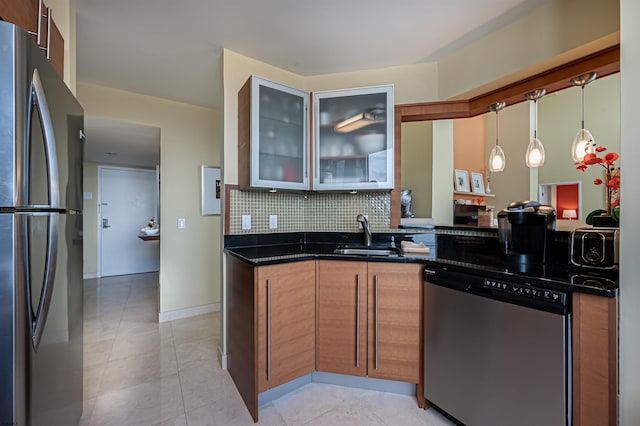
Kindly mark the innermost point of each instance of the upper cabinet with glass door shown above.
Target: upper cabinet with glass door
(273, 136)
(353, 139)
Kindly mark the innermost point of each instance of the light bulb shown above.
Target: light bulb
(535, 153)
(497, 160)
(583, 144)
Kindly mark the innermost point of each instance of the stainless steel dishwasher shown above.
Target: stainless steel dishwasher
(496, 352)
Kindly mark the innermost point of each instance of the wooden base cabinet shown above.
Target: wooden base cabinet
(286, 322)
(271, 325)
(369, 319)
(595, 360)
(394, 319)
(342, 317)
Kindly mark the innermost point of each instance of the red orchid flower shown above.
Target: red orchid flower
(610, 158)
(581, 167)
(591, 159)
(615, 203)
(601, 149)
(614, 183)
(597, 182)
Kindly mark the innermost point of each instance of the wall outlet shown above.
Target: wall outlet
(273, 221)
(182, 223)
(246, 222)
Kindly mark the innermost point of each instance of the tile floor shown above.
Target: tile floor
(137, 371)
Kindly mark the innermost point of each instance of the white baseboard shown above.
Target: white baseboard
(89, 275)
(223, 358)
(188, 312)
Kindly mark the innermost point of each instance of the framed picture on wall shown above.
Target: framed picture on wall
(477, 183)
(462, 181)
(210, 190)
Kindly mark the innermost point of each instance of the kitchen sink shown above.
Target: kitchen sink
(368, 251)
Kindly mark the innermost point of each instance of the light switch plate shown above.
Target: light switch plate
(182, 223)
(273, 221)
(246, 222)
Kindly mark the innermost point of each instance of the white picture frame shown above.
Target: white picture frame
(211, 188)
(477, 183)
(462, 181)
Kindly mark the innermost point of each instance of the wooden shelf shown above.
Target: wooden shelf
(473, 194)
(149, 237)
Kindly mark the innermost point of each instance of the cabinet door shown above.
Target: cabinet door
(23, 13)
(353, 139)
(273, 139)
(342, 315)
(394, 298)
(286, 322)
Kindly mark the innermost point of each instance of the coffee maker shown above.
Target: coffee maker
(525, 229)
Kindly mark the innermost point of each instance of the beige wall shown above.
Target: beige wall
(189, 258)
(90, 218)
(630, 211)
(559, 116)
(512, 184)
(550, 30)
(417, 167)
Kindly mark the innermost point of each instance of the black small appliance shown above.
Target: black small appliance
(525, 230)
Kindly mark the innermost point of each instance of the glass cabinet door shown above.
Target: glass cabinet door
(279, 136)
(353, 139)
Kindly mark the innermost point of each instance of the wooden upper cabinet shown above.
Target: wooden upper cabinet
(26, 14)
(394, 311)
(286, 322)
(342, 317)
(23, 13)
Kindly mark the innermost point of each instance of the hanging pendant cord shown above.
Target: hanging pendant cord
(583, 107)
(535, 121)
(496, 127)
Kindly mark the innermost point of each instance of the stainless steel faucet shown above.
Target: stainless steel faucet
(365, 226)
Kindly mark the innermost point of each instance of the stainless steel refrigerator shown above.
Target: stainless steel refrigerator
(40, 239)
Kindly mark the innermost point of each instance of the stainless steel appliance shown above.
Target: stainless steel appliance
(524, 230)
(496, 352)
(595, 248)
(40, 239)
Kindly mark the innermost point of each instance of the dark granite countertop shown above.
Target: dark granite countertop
(471, 255)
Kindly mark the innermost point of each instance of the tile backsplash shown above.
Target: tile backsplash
(308, 212)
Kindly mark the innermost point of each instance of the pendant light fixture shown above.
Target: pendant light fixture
(583, 143)
(497, 160)
(535, 151)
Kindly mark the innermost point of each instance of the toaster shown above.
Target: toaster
(596, 248)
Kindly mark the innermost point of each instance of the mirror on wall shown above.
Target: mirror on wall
(559, 118)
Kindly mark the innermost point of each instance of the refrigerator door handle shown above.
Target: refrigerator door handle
(39, 101)
(40, 318)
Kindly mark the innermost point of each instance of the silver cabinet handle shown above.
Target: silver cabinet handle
(48, 33)
(269, 330)
(305, 161)
(316, 139)
(39, 319)
(376, 280)
(39, 101)
(358, 323)
(39, 29)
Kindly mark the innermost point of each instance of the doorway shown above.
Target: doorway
(565, 197)
(127, 200)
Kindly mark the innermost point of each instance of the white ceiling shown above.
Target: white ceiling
(117, 142)
(172, 48)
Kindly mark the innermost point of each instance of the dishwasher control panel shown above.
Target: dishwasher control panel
(527, 291)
